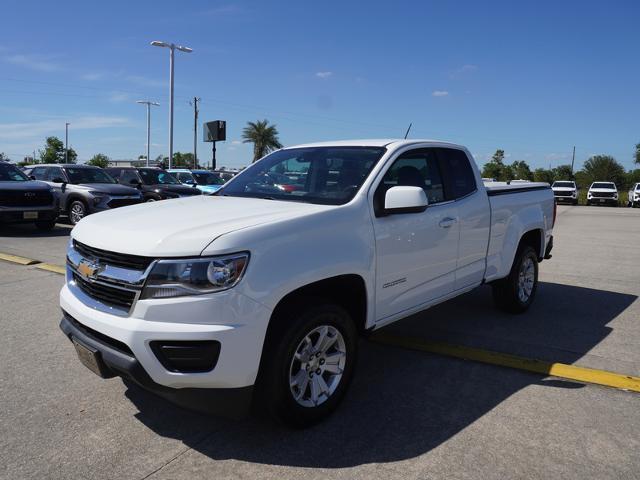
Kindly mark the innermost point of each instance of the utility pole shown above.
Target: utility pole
(66, 142)
(148, 104)
(195, 131)
(573, 158)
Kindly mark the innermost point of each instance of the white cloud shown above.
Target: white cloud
(119, 97)
(236, 142)
(36, 130)
(33, 62)
(440, 93)
(324, 74)
(92, 76)
(146, 82)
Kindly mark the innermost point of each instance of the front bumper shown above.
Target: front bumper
(119, 360)
(16, 214)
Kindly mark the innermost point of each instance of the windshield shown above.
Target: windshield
(603, 185)
(154, 176)
(88, 175)
(9, 173)
(208, 178)
(324, 175)
(564, 184)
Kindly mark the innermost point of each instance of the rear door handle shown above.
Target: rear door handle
(447, 222)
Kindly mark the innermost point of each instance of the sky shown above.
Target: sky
(531, 78)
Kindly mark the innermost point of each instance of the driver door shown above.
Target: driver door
(416, 252)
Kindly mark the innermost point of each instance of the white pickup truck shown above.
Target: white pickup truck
(259, 292)
(633, 197)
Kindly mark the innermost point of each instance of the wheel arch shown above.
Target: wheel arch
(348, 291)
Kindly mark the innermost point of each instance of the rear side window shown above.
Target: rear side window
(459, 173)
(38, 173)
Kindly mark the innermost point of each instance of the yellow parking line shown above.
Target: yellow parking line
(50, 267)
(17, 259)
(561, 370)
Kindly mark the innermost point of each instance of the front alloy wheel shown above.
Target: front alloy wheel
(317, 366)
(77, 212)
(307, 363)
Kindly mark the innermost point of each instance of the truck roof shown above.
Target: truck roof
(379, 142)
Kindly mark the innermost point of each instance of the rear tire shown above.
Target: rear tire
(516, 292)
(303, 378)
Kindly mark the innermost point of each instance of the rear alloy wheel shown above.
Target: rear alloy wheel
(516, 292)
(308, 362)
(77, 211)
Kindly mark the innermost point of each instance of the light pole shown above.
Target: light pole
(148, 104)
(66, 142)
(172, 47)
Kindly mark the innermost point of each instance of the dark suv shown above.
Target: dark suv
(84, 189)
(25, 201)
(154, 183)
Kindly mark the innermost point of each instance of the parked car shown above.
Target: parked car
(154, 183)
(565, 191)
(84, 189)
(225, 175)
(602, 193)
(204, 180)
(243, 292)
(634, 196)
(26, 201)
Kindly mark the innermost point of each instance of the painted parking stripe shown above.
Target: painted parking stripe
(50, 267)
(17, 259)
(560, 370)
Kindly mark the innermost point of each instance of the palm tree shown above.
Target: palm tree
(263, 136)
(636, 156)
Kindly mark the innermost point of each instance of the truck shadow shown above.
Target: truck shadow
(404, 403)
(28, 230)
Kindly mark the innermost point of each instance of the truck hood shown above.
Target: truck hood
(563, 189)
(107, 188)
(29, 186)
(181, 227)
(603, 190)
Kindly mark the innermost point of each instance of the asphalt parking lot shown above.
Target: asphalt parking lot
(409, 414)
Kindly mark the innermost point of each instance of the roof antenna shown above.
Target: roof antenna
(405, 135)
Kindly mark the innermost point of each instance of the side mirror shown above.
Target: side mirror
(405, 200)
(32, 177)
(58, 180)
(194, 184)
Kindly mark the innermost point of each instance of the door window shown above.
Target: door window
(39, 173)
(415, 168)
(127, 176)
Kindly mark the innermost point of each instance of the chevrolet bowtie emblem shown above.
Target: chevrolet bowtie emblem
(88, 270)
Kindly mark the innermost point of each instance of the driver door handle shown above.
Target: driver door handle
(447, 222)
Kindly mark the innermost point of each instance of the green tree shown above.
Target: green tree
(263, 136)
(636, 155)
(543, 175)
(494, 168)
(604, 168)
(521, 170)
(180, 160)
(99, 160)
(54, 152)
(3, 157)
(563, 172)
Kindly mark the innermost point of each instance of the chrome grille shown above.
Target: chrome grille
(133, 262)
(105, 293)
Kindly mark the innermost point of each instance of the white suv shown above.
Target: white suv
(634, 196)
(565, 191)
(602, 193)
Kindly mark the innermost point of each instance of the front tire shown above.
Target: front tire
(516, 292)
(308, 363)
(77, 211)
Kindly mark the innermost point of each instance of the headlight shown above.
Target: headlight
(194, 276)
(98, 197)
